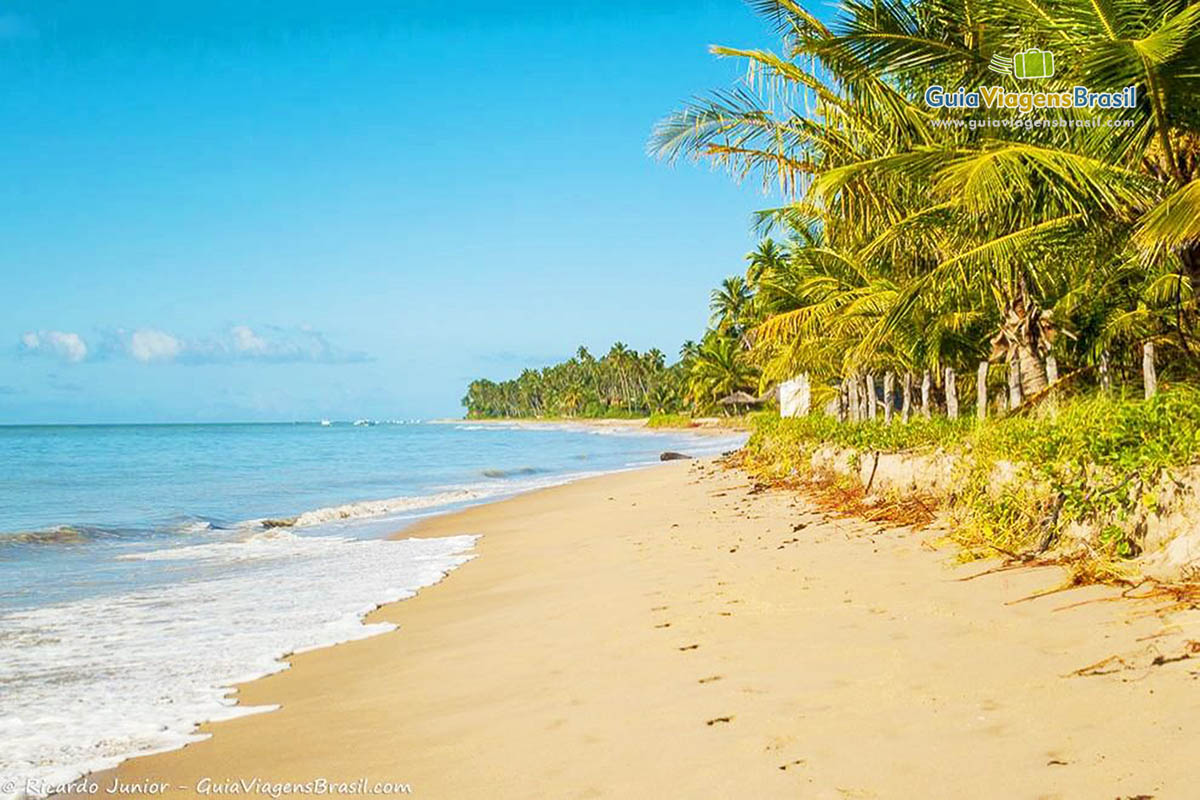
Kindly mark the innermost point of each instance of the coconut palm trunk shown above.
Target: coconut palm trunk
(1023, 340)
(906, 397)
(1051, 379)
(870, 398)
(1033, 372)
(1015, 395)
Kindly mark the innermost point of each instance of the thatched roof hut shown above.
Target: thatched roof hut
(741, 399)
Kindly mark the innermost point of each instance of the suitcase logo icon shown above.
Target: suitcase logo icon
(1027, 64)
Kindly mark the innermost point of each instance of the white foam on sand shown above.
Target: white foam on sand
(501, 483)
(87, 684)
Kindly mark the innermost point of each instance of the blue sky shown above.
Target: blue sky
(291, 210)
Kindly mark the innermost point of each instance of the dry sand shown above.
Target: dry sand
(669, 634)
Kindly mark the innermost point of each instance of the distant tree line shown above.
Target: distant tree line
(626, 383)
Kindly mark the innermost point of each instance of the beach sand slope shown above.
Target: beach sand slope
(670, 633)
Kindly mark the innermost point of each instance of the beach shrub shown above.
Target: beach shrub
(780, 448)
(1093, 467)
(669, 421)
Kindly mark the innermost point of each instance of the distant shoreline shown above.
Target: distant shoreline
(701, 425)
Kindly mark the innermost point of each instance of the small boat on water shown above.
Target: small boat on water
(325, 423)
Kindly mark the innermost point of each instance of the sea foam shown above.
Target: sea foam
(92, 682)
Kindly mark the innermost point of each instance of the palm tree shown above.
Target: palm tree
(729, 304)
(961, 240)
(765, 260)
(720, 368)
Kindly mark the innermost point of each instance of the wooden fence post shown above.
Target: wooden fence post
(951, 393)
(981, 392)
(1149, 377)
(926, 385)
(889, 395)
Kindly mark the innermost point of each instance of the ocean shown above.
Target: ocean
(146, 568)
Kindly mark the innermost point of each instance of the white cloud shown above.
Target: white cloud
(271, 344)
(239, 343)
(69, 347)
(148, 344)
(245, 340)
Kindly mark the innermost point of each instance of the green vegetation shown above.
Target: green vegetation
(919, 248)
(800, 436)
(1097, 466)
(1099, 463)
(669, 421)
(622, 383)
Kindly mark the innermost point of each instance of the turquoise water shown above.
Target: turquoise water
(72, 497)
(119, 544)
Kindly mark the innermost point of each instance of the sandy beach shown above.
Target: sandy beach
(671, 633)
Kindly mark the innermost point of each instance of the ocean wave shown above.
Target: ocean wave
(511, 473)
(66, 535)
(80, 698)
(187, 525)
(61, 534)
(374, 508)
(347, 512)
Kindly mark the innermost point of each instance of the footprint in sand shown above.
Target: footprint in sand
(663, 625)
(710, 679)
(798, 762)
(715, 720)
(689, 647)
